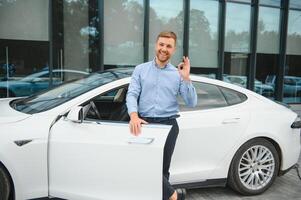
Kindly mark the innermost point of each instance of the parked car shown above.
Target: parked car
(37, 82)
(73, 142)
(259, 87)
(291, 85)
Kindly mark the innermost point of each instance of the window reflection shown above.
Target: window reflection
(203, 38)
(268, 30)
(74, 54)
(292, 78)
(123, 32)
(244, 1)
(295, 4)
(237, 43)
(235, 68)
(166, 15)
(24, 45)
(237, 28)
(268, 51)
(294, 33)
(270, 2)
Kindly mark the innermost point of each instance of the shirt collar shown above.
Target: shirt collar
(155, 64)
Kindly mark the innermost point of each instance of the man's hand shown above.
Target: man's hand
(184, 69)
(135, 124)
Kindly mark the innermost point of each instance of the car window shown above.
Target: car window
(209, 96)
(233, 97)
(212, 96)
(110, 105)
(57, 96)
(67, 76)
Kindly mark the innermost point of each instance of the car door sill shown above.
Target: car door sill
(204, 184)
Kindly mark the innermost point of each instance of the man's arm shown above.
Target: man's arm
(132, 103)
(187, 90)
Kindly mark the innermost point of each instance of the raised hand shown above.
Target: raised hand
(184, 68)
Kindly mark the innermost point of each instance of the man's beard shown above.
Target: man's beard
(162, 60)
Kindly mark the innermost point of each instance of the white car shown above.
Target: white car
(73, 142)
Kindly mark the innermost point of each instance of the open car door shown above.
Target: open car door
(102, 160)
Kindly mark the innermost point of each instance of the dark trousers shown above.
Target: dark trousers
(169, 147)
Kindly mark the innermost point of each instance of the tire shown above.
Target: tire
(254, 167)
(4, 185)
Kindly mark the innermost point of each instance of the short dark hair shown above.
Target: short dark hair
(168, 34)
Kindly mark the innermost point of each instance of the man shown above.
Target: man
(152, 97)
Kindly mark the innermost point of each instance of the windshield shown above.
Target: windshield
(65, 92)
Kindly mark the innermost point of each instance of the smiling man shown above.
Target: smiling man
(152, 98)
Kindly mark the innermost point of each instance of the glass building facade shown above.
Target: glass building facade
(252, 43)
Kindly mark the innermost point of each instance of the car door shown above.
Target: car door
(102, 160)
(207, 134)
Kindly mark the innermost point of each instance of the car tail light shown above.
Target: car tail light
(297, 123)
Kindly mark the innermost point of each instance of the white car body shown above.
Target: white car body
(71, 160)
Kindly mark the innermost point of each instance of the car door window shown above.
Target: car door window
(233, 97)
(209, 96)
(212, 96)
(110, 106)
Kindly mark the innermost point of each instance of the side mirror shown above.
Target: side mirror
(76, 114)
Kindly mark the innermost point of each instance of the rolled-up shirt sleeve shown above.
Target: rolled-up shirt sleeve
(133, 92)
(188, 93)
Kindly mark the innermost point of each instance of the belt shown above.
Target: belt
(159, 119)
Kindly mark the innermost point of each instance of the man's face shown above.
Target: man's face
(165, 48)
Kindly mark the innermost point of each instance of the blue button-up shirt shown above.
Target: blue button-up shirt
(153, 91)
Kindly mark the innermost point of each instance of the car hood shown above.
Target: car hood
(8, 114)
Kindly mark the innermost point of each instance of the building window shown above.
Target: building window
(267, 51)
(166, 15)
(123, 32)
(295, 4)
(292, 78)
(24, 45)
(270, 2)
(203, 33)
(237, 43)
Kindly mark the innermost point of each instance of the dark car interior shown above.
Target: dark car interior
(108, 106)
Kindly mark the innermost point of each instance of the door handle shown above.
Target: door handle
(231, 120)
(140, 140)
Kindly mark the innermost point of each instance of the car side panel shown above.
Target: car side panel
(27, 164)
(205, 138)
(99, 160)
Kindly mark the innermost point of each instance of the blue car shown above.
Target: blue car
(37, 82)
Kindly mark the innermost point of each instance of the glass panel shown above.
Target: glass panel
(166, 15)
(233, 97)
(235, 70)
(24, 20)
(24, 46)
(266, 70)
(76, 31)
(270, 2)
(110, 105)
(292, 80)
(209, 96)
(268, 30)
(123, 32)
(237, 28)
(244, 1)
(295, 4)
(294, 33)
(65, 92)
(203, 30)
